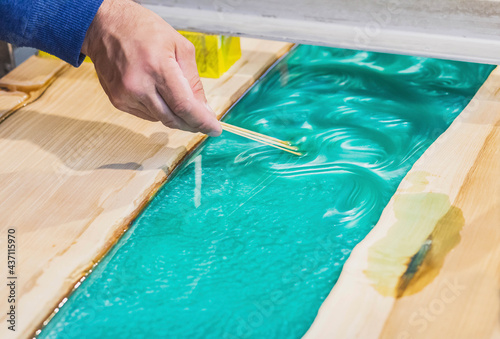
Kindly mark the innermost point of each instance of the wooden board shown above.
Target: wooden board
(25, 84)
(75, 171)
(430, 268)
(9, 101)
(33, 74)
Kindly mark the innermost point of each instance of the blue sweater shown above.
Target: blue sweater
(54, 26)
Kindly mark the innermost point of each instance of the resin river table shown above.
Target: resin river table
(75, 172)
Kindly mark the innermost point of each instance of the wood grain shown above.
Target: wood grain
(34, 73)
(9, 101)
(444, 222)
(75, 171)
(25, 84)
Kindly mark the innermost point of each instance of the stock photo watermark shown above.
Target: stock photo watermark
(420, 319)
(11, 278)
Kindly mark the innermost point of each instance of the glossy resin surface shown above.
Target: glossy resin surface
(246, 241)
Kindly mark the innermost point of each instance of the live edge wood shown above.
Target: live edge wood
(74, 171)
(430, 268)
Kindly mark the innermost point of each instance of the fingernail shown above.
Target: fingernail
(217, 132)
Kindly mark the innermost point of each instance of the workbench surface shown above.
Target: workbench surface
(75, 172)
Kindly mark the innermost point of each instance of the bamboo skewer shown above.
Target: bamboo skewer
(225, 124)
(264, 139)
(264, 142)
(258, 136)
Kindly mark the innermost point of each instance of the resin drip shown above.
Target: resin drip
(246, 241)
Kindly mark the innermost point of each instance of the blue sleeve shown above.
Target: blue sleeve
(57, 27)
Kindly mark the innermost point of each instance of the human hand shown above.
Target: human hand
(147, 68)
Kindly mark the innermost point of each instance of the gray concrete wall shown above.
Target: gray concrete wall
(455, 29)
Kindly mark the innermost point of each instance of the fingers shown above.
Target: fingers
(158, 86)
(145, 102)
(185, 55)
(158, 108)
(143, 114)
(176, 90)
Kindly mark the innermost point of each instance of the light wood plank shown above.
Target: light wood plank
(34, 73)
(448, 208)
(9, 101)
(75, 171)
(25, 84)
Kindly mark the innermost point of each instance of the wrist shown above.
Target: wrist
(95, 32)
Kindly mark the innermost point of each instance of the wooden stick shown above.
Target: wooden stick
(256, 135)
(225, 124)
(273, 142)
(264, 142)
(258, 138)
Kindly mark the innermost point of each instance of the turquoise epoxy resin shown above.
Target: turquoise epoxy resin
(246, 241)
